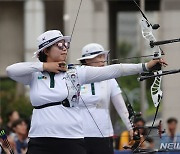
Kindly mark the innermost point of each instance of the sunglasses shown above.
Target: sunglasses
(62, 45)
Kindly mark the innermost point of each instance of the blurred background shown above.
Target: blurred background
(112, 23)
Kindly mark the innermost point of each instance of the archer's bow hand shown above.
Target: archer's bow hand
(152, 65)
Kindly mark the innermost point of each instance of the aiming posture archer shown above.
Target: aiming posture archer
(56, 125)
(97, 97)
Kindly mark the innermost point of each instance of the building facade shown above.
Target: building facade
(23, 20)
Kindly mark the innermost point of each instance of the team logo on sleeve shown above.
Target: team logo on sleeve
(42, 77)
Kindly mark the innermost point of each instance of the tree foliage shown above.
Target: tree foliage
(10, 101)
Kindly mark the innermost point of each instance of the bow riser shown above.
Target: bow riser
(156, 91)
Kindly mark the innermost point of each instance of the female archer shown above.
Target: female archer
(96, 98)
(56, 125)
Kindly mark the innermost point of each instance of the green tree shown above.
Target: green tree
(10, 101)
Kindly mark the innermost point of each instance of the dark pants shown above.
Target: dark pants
(98, 145)
(46, 145)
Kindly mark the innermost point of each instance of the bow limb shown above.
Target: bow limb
(132, 115)
(156, 92)
(147, 33)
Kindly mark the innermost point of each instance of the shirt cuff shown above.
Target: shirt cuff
(144, 67)
(39, 66)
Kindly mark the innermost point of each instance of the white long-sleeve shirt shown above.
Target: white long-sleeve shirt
(96, 97)
(59, 121)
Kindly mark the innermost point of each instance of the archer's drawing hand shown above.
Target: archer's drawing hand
(55, 67)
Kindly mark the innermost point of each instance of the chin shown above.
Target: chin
(62, 59)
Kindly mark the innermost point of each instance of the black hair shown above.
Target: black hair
(74, 96)
(73, 75)
(83, 62)
(17, 122)
(42, 56)
(139, 119)
(170, 120)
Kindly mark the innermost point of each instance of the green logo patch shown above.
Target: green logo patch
(42, 77)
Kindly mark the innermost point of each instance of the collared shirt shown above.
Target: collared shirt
(59, 121)
(97, 99)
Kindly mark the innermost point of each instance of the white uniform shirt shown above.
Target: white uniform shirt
(59, 121)
(97, 99)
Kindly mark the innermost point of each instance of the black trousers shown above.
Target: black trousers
(46, 145)
(98, 145)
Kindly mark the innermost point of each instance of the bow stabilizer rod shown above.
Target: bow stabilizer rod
(155, 74)
(157, 43)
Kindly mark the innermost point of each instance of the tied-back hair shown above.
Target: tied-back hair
(42, 55)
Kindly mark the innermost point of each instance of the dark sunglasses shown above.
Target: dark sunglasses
(61, 45)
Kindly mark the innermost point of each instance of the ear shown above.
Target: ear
(46, 52)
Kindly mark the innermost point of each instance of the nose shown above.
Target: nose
(64, 48)
(64, 51)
